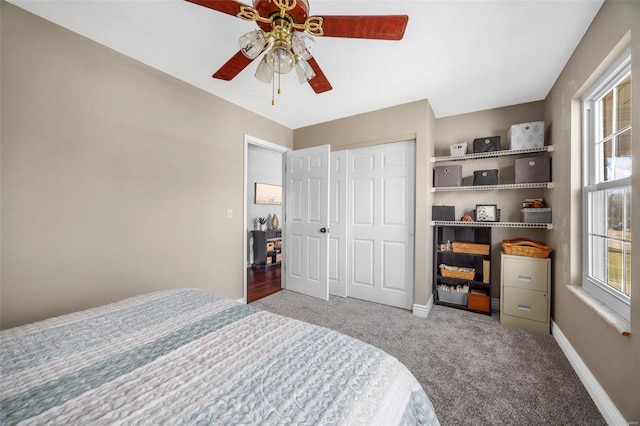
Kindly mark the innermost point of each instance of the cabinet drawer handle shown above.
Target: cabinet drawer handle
(524, 278)
(524, 308)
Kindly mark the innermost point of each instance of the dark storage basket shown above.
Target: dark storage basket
(443, 213)
(485, 177)
(486, 144)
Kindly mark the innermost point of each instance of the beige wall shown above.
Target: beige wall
(494, 122)
(116, 178)
(404, 122)
(612, 358)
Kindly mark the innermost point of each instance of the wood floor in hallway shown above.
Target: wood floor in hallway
(262, 282)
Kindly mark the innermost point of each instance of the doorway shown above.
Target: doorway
(371, 244)
(263, 164)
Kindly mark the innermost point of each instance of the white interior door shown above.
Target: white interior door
(307, 221)
(338, 222)
(381, 220)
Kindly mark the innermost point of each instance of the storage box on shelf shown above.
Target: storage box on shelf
(443, 212)
(458, 149)
(478, 300)
(485, 177)
(536, 215)
(447, 175)
(448, 294)
(449, 271)
(526, 135)
(533, 169)
(486, 144)
(472, 248)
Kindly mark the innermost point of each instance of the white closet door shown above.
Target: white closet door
(338, 223)
(307, 221)
(381, 223)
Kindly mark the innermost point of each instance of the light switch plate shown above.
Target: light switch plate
(229, 213)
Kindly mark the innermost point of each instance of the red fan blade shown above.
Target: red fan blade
(319, 83)
(229, 7)
(390, 27)
(237, 63)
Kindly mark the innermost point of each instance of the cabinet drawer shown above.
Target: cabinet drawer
(528, 304)
(525, 273)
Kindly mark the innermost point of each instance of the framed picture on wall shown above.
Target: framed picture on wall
(268, 194)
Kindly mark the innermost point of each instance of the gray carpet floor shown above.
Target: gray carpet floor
(475, 370)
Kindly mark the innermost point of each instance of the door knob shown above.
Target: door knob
(324, 230)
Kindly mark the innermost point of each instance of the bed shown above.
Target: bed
(187, 356)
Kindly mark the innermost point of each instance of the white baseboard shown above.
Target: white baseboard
(606, 406)
(423, 310)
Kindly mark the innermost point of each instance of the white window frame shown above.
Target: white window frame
(590, 118)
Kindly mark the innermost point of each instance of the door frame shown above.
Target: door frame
(251, 140)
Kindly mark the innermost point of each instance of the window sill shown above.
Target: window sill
(611, 317)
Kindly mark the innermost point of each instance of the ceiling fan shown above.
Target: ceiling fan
(285, 27)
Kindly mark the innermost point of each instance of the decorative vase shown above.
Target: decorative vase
(274, 221)
(262, 226)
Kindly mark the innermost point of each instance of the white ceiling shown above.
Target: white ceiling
(463, 56)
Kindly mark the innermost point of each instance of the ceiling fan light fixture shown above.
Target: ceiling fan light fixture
(281, 58)
(252, 43)
(264, 72)
(304, 71)
(299, 46)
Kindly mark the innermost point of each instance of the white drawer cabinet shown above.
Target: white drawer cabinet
(525, 292)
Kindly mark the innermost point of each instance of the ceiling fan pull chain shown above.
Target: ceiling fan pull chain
(279, 91)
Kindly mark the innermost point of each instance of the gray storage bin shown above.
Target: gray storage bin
(485, 177)
(459, 298)
(487, 144)
(536, 215)
(533, 169)
(447, 176)
(443, 213)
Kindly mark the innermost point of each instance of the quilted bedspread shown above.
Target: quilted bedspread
(191, 357)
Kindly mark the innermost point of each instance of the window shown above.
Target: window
(606, 195)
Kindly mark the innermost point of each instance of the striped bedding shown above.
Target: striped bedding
(191, 357)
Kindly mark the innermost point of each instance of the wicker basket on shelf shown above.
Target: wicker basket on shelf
(470, 248)
(453, 272)
(526, 247)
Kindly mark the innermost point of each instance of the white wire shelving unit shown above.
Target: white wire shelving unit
(492, 154)
(492, 224)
